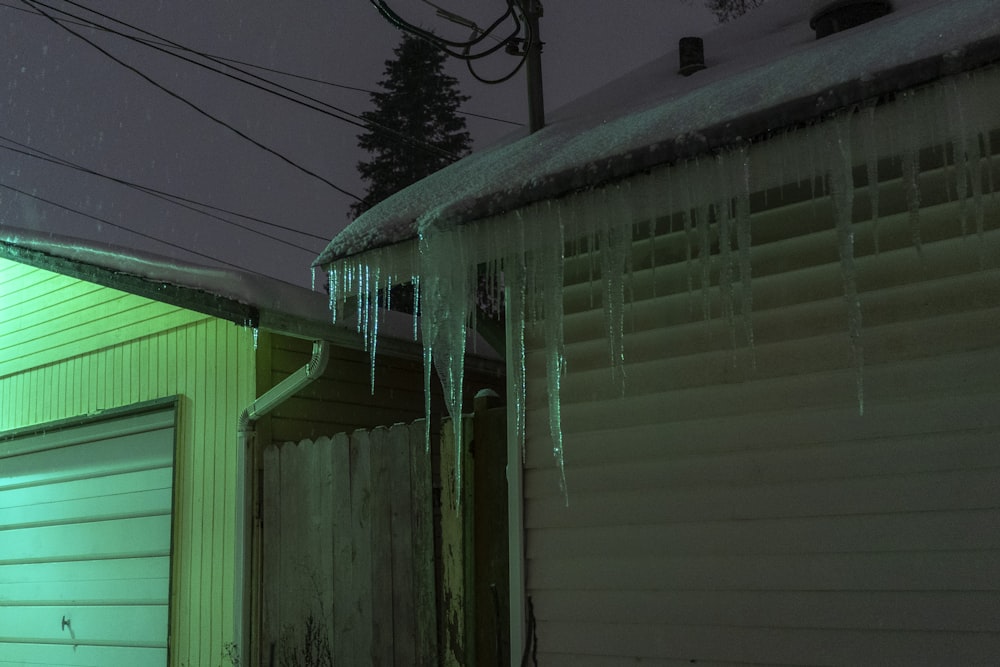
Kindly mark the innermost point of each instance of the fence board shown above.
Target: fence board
(381, 530)
(344, 609)
(361, 553)
(400, 505)
(425, 600)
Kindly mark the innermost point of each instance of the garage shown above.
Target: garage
(85, 539)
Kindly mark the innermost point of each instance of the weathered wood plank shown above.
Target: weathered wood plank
(320, 528)
(424, 585)
(344, 600)
(362, 537)
(401, 509)
(381, 559)
(271, 541)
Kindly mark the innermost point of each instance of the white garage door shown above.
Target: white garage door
(85, 542)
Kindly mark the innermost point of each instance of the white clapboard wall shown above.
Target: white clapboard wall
(85, 516)
(733, 507)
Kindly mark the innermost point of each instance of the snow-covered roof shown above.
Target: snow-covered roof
(243, 297)
(765, 72)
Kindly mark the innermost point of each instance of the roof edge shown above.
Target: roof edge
(747, 129)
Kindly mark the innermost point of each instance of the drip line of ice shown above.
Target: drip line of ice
(524, 249)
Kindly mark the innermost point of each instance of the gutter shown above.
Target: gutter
(245, 433)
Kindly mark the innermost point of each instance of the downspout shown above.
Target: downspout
(245, 433)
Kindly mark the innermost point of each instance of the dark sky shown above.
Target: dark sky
(66, 98)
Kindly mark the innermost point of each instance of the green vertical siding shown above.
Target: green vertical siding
(68, 348)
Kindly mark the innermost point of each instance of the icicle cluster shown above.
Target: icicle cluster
(711, 200)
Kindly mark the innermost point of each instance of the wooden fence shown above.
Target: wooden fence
(348, 551)
(364, 564)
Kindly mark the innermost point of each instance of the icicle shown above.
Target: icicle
(448, 293)
(331, 276)
(702, 223)
(842, 195)
(743, 242)
(312, 272)
(613, 251)
(726, 293)
(416, 306)
(977, 202)
(552, 261)
(871, 167)
(256, 335)
(911, 188)
(960, 152)
(515, 283)
(373, 323)
(911, 174)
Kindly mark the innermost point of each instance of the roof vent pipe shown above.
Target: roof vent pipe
(692, 54)
(830, 16)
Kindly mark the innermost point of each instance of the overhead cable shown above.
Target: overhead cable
(177, 200)
(193, 106)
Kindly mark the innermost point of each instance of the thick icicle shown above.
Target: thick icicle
(331, 276)
(911, 188)
(842, 195)
(447, 296)
(960, 152)
(516, 286)
(614, 250)
(551, 256)
(726, 292)
(256, 335)
(704, 258)
(871, 168)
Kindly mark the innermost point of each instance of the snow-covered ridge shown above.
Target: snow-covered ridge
(765, 72)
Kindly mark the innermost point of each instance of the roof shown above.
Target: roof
(241, 297)
(765, 73)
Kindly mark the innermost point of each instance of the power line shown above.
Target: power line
(195, 107)
(329, 110)
(177, 200)
(226, 59)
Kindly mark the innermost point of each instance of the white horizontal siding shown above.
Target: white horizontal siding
(733, 507)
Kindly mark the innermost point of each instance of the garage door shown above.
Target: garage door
(85, 515)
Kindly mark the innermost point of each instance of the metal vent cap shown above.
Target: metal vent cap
(830, 16)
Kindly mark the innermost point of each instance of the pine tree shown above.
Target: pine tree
(726, 10)
(418, 107)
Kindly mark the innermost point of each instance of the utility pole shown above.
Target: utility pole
(536, 102)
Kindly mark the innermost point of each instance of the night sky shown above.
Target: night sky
(69, 100)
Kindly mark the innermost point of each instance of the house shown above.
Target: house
(136, 395)
(752, 349)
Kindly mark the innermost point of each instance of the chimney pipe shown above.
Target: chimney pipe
(692, 55)
(830, 16)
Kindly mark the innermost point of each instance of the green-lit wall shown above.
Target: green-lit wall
(69, 348)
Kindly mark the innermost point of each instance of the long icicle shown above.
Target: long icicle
(842, 196)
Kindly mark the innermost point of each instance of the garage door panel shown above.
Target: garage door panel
(136, 451)
(153, 590)
(144, 536)
(142, 480)
(65, 655)
(116, 506)
(104, 624)
(125, 570)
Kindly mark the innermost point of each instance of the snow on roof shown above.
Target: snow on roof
(765, 72)
(253, 290)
